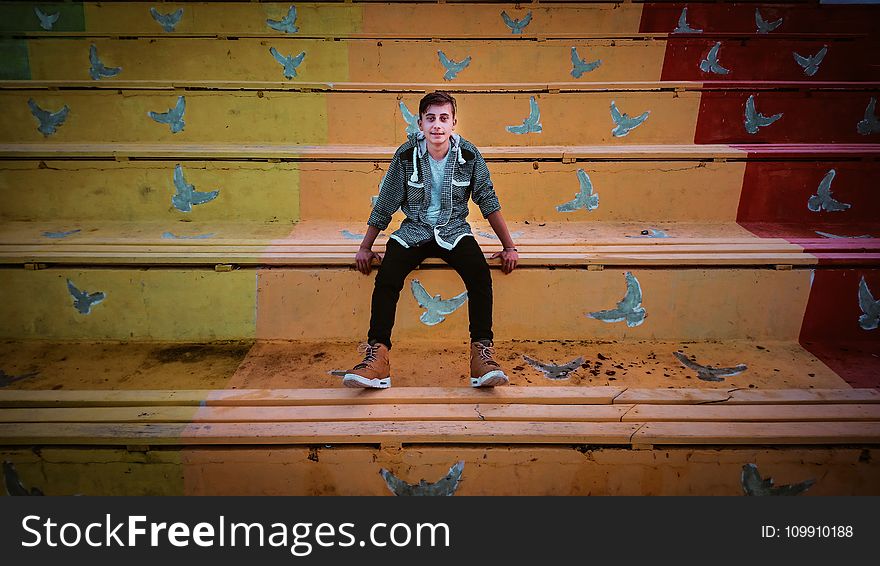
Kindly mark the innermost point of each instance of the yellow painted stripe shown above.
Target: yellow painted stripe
(143, 304)
(90, 194)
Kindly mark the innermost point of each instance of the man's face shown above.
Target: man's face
(437, 123)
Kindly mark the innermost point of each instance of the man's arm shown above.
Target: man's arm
(365, 254)
(509, 255)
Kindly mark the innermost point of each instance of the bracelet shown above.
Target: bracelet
(511, 250)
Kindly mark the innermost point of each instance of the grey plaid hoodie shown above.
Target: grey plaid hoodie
(407, 186)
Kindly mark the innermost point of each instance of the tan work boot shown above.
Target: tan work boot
(372, 373)
(485, 371)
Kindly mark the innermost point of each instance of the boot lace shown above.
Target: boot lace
(369, 357)
(486, 354)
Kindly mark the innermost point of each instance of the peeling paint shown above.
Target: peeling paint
(452, 67)
(709, 373)
(286, 24)
(823, 200)
(580, 66)
(555, 371)
(49, 122)
(870, 308)
(97, 70)
(47, 21)
(6, 379)
(173, 117)
(754, 120)
(186, 195)
(61, 234)
(412, 123)
(764, 26)
(870, 124)
(683, 26)
(811, 64)
(623, 123)
(530, 124)
(516, 26)
(585, 198)
(170, 236)
(167, 21)
(436, 308)
(289, 63)
(629, 308)
(83, 300)
(754, 485)
(13, 484)
(710, 64)
(445, 486)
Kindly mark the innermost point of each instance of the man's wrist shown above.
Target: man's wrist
(511, 249)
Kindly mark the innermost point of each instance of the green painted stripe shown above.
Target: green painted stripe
(14, 63)
(20, 16)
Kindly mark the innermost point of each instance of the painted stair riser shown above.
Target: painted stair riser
(299, 304)
(487, 470)
(352, 118)
(286, 192)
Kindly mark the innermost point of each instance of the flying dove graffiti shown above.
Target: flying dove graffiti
(167, 21)
(870, 316)
(709, 373)
(623, 124)
(823, 200)
(585, 197)
(285, 24)
(83, 301)
(710, 64)
(48, 121)
(436, 309)
(532, 123)
(754, 120)
(6, 379)
(97, 70)
(580, 66)
(452, 67)
(629, 308)
(47, 21)
(173, 117)
(764, 26)
(870, 124)
(683, 26)
(289, 63)
(551, 371)
(811, 64)
(445, 486)
(186, 196)
(754, 485)
(13, 484)
(412, 120)
(516, 26)
(171, 236)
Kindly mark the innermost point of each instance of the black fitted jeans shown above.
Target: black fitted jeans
(466, 258)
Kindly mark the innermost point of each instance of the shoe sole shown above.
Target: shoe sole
(491, 379)
(356, 381)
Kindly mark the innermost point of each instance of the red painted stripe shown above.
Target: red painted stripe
(818, 117)
(740, 18)
(831, 330)
(766, 60)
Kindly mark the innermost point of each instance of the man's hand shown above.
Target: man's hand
(509, 258)
(364, 260)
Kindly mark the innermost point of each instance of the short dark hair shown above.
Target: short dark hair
(437, 97)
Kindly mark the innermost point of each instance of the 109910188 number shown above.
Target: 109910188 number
(818, 531)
